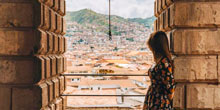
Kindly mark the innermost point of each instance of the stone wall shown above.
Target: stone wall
(194, 35)
(31, 54)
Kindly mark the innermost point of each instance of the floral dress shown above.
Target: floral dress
(160, 93)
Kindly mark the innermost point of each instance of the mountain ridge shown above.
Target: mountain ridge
(100, 22)
(90, 16)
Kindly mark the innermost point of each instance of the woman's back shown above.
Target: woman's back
(160, 93)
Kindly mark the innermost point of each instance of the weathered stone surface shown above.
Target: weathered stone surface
(59, 103)
(39, 14)
(179, 97)
(50, 3)
(45, 108)
(5, 98)
(59, 64)
(62, 7)
(55, 43)
(161, 22)
(196, 14)
(59, 24)
(65, 44)
(16, 42)
(192, 29)
(16, 1)
(12, 15)
(171, 15)
(64, 99)
(50, 42)
(44, 94)
(29, 43)
(56, 5)
(197, 41)
(41, 46)
(155, 25)
(13, 71)
(50, 90)
(195, 68)
(47, 66)
(159, 8)
(53, 65)
(65, 83)
(168, 2)
(158, 23)
(170, 40)
(62, 64)
(53, 21)
(167, 20)
(52, 106)
(218, 68)
(217, 97)
(201, 96)
(164, 6)
(47, 19)
(33, 98)
(56, 90)
(39, 68)
(63, 27)
(65, 64)
(59, 44)
(155, 9)
(61, 84)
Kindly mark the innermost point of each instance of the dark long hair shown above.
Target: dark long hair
(158, 44)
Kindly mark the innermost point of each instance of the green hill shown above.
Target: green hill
(87, 16)
(147, 22)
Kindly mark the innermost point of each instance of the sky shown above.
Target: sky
(123, 8)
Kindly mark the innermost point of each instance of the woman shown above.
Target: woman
(160, 93)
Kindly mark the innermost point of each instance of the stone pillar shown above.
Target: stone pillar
(31, 54)
(193, 30)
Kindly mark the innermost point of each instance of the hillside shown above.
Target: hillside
(86, 16)
(147, 22)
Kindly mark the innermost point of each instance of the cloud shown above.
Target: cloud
(124, 8)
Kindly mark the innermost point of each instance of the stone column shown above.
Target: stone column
(193, 30)
(31, 54)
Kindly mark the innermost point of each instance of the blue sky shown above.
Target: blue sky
(124, 8)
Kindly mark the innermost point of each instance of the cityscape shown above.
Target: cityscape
(90, 51)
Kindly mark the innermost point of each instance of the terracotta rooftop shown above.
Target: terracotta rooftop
(90, 100)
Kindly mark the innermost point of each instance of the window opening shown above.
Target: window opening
(106, 67)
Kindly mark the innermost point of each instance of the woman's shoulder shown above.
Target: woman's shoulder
(165, 60)
(166, 65)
